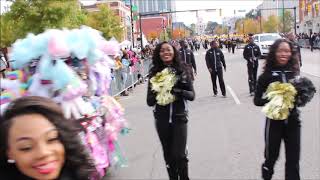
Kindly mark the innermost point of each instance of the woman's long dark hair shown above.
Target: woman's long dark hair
(77, 165)
(271, 61)
(158, 65)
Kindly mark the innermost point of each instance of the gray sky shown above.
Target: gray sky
(227, 7)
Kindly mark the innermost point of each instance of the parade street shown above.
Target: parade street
(225, 137)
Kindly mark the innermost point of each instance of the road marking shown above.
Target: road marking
(123, 98)
(233, 94)
(196, 54)
(204, 53)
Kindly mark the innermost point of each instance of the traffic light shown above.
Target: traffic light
(134, 8)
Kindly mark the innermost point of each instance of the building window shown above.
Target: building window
(114, 4)
(117, 12)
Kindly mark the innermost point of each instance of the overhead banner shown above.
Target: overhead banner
(316, 7)
(302, 4)
(309, 8)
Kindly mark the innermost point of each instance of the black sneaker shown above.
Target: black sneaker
(224, 96)
(214, 95)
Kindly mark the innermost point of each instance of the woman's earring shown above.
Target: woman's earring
(11, 161)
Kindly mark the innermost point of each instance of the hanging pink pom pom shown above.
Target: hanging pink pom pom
(57, 48)
(109, 47)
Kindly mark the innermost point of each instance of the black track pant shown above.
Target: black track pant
(252, 75)
(173, 138)
(275, 131)
(214, 75)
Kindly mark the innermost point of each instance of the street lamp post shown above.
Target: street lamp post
(260, 20)
(132, 33)
(295, 20)
(283, 8)
(243, 27)
(180, 30)
(283, 25)
(140, 27)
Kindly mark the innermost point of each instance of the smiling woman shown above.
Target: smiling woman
(169, 88)
(37, 142)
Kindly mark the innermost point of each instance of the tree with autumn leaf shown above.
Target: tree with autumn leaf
(35, 16)
(105, 21)
(210, 27)
(193, 29)
(177, 34)
(152, 35)
(219, 30)
(271, 24)
(247, 25)
(7, 29)
(164, 36)
(288, 20)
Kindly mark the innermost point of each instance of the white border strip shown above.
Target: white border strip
(233, 94)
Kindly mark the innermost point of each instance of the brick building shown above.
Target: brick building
(309, 16)
(121, 10)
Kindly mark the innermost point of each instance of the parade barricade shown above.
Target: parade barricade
(304, 43)
(126, 77)
(317, 45)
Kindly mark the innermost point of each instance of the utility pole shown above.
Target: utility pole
(179, 30)
(295, 20)
(260, 20)
(283, 8)
(140, 27)
(283, 25)
(242, 26)
(171, 21)
(132, 33)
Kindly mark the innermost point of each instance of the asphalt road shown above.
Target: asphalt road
(225, 134)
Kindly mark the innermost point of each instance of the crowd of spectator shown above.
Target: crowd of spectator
(128, 62)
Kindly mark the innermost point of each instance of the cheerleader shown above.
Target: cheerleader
(281, 66)
(169, 88)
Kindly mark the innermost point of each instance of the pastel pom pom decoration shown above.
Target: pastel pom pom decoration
(38, 89)
(7, 96)
(13, 86)
(94, 56)
(110, 47)
(76, 108)
(57, 47)
(99, 153)
(45, 67)
(73, 68)
(16, 75)
(79, 47)
(21, 52)
(31, 47)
